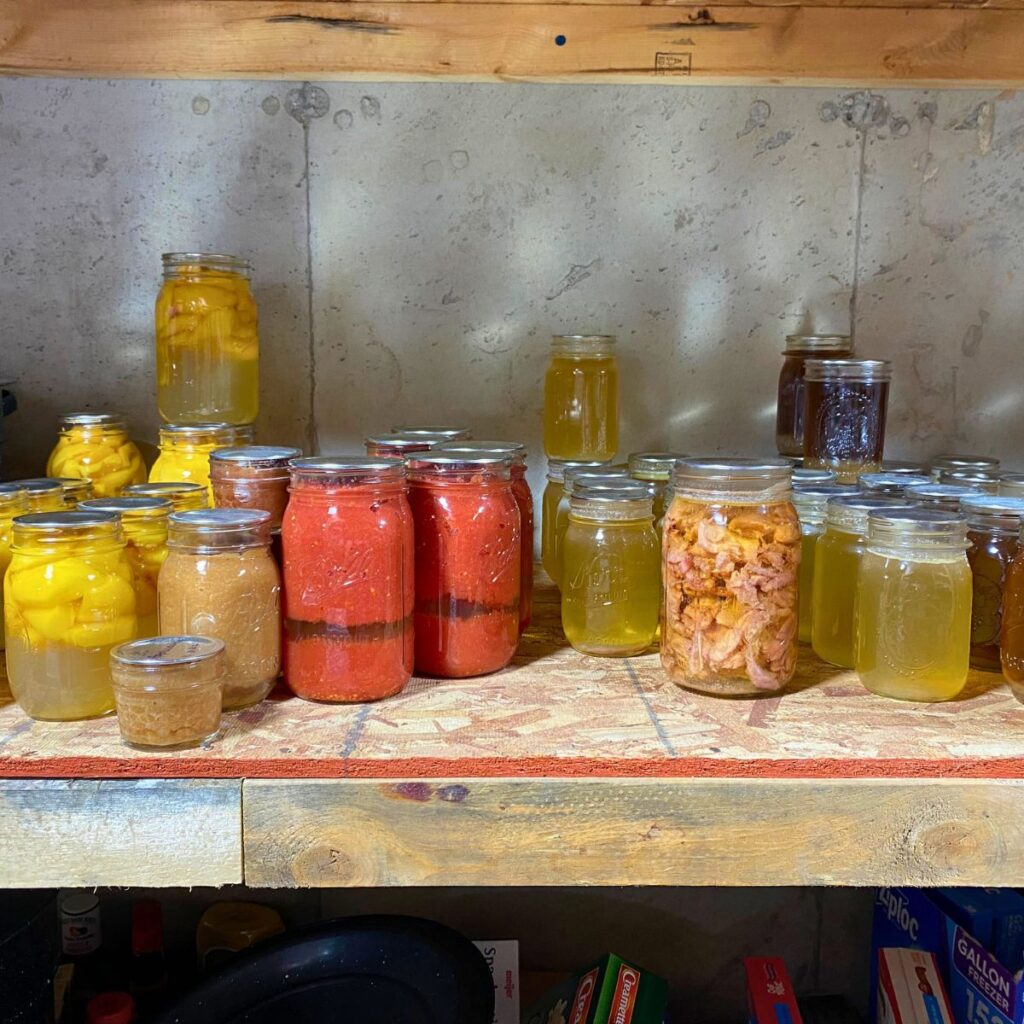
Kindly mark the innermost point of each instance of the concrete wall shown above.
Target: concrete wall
(415, 246)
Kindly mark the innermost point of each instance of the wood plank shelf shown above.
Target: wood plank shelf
(853, 42)
(563, 769)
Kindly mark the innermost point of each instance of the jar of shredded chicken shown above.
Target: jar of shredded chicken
(731, 554)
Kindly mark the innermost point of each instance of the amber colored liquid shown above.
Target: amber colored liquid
(845, 425)
(1011, 640)
(805, 580)
(989, 556)
(789, 410)
(581, 408)
(913, 626)
(834, 588)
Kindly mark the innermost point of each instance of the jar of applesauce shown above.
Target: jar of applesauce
(468, 554)
(914, 605)
(581, 398)
(611, 572)
(68, 599)
(789, 412)
(220, 580)
(554, 500)
(96, 447)
(254, 476)
(207, 347)
(185, 451)
(12, 503)
(731, 552)
(348, 575)
(183, 496)
(144, 524)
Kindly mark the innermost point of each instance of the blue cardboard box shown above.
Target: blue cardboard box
(995, 917)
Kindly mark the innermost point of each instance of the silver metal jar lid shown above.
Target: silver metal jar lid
(467, 447)
(346, 465)
(215, 520)
(63, 520)
(712, 470)
(442, 433)
(962, 462)
(91, 419)
(40, 484)
(256, 456)
(118, 506)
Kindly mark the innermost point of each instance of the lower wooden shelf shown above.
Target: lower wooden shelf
(561, 770)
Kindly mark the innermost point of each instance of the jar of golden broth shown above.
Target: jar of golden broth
(183, 496)
(602, 476)
(581, 398)
(185, 451)
(730, 556)
(207, 346)
(168, 691)
(789, 415)
(963, 463)
(96, 447)
(655, 468)
(611, 575)
(68, 599)
(553, 500)
(914, 605)
(220, 580)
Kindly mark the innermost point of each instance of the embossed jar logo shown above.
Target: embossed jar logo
(845, 424)
(915, 610)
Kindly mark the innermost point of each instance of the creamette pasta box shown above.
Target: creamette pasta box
(610, 991)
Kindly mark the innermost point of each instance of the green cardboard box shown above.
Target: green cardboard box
(610, 991)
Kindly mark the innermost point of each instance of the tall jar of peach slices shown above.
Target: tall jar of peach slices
(731, 552)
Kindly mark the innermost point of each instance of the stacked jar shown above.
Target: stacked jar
(581, 399)
(655, 468)
(95, 447)
(555, 503)
(789, 415)
(185, 451)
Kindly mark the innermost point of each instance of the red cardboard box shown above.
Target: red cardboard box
(770, 996)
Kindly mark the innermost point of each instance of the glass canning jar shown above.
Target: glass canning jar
(890, 485)
(993, 535)
(813, 477)
(902, 466)
(96, 447)
(220, 580)
(1011, 484)
(468, 553)
(914, 605)
(982, 480)
(611, 587)
(396, 446)
(553, 500)
(844, 427)
(12, 503)
(183, 496)
(944, 496)
(74, 490)
(963, 463)
(185, 451)
(43, 494)
(207, 346)
(811, 504)
(435, 435)
(730, 556)
(837, 555)
(348, 579)
(252, 476)
(168, 691)
(599, 477)
(144, 524)
(655, 468)
(581, 398)
(789, 415)
(68, 599)
(524, 499)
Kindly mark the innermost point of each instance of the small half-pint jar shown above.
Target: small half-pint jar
(183, 496)
(168, 691)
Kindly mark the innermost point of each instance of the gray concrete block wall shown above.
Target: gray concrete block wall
(416, 244)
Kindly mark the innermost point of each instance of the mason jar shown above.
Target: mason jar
(730, 557)
(944, 496)
(981, 479)
(96, 447)
(803, 477)
(890, 485)
(43, 494)
(655, 468)
(789, 416)
(963, 463)
(1011, 485)
(12, 503)
(435, 435)
(185, 450)
(611, 575)
(914, 605)
(581, 398)
(903, 466)
(252, 476)
(183, 496)
(207, 345)
(553, 501)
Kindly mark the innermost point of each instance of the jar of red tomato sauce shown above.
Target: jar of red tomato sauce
(524, 499)
(348, 579)
(468, 556)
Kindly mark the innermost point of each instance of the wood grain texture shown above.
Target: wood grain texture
(512, 41)
(148, 832)
(633, 832)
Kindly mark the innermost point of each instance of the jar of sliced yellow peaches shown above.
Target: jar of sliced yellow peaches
(207, 348)
(144, 523)
(68, 598)
(12, 503)
(96, 447)
(185, 451)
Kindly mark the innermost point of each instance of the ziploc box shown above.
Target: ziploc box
(995, 917)
(910, 990)
(611, 991)
(770, 995)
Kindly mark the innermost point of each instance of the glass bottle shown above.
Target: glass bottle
(890, 485)
(468, 552)
(553, 500)
(1011, 485)
(611, 576)
(207, 346)
(963, 463)
(96, 447)
(730, 556)
(837, 557)
(581, 399)
(789, 415)
(253, 476)
(144, 524)
(810, 504)
(219, 580)
(524, 499)
(12, 503)
(655, 468)
(185, 451)
(914, 605)
(993, 534)
(944, 496)
(396, 446)
(183, 496)
(43, 494)
(348, 579)
(845, 416)
(68, 599)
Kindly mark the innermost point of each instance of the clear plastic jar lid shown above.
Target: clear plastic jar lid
(818, 343)
(996, 512)
(812, 477)
(759, 473)
(213, 260)
(256, 456)
(899, 466)
(434, 433)
(216, 528)
(121, 506)
(165, 651)
(654, 465)
(557, 467)
(91, 419)
(863, 370)
(910, 526)
(894, 483)
(851, 511)
(342, 468)
(960, 462)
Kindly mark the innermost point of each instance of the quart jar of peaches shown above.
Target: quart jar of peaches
(207, 347)
(96, 448)
(730, 557)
